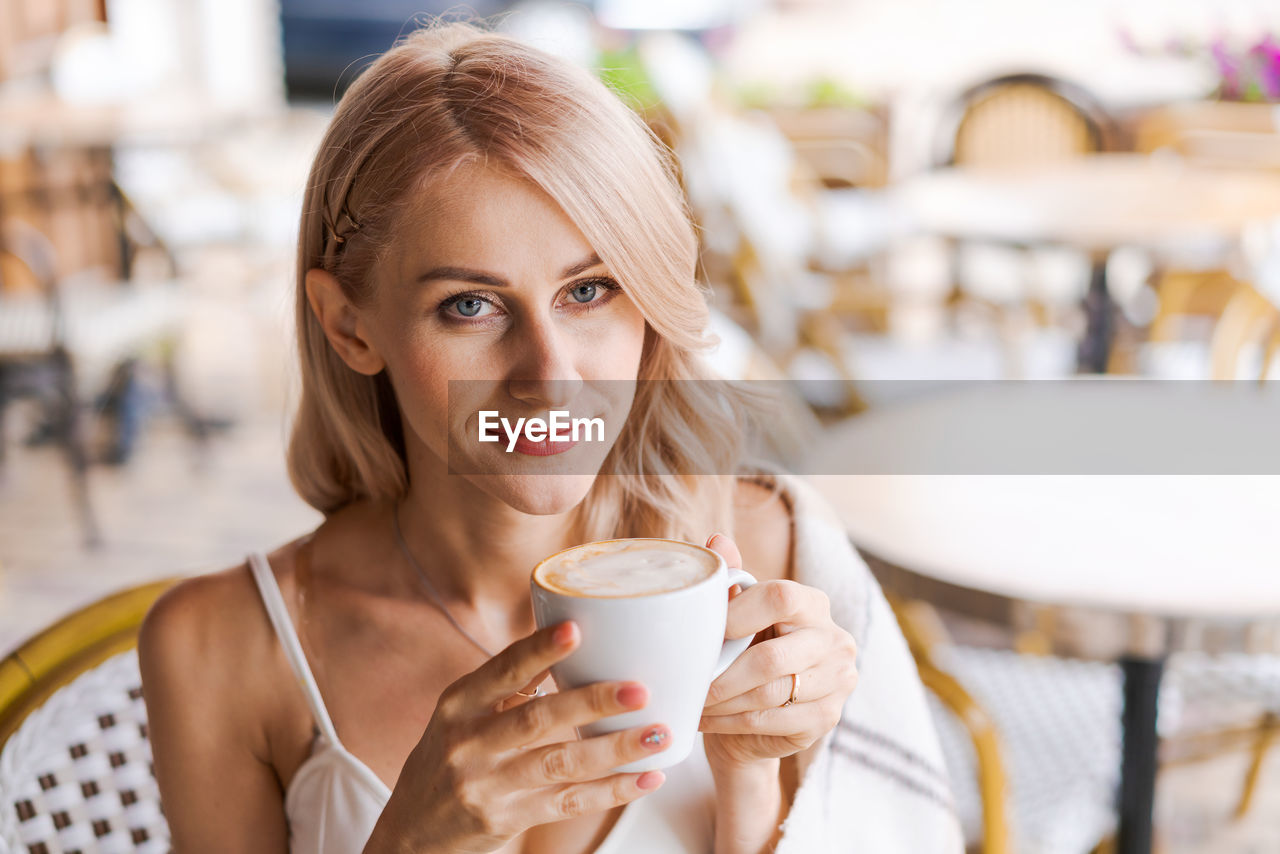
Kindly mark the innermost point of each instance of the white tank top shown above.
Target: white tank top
(334, 800)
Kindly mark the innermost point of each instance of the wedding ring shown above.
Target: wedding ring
(537, 692)
(795, 683)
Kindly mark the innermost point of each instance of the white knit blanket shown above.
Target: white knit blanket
(878, 783)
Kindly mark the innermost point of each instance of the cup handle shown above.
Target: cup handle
(736, 646)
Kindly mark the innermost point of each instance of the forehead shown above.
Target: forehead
(488, 218)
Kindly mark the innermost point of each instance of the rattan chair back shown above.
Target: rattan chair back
(75, 760)
(1022, 118)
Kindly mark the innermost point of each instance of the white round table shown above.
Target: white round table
(1122, 568)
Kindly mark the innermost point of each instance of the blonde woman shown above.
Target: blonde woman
(481, 211)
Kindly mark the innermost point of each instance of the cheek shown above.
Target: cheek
(421, 375)
(615, 352)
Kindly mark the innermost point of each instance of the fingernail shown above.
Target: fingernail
(655, 738)
(563, 635)
(711, 539)
(633, 695)
(650, 780)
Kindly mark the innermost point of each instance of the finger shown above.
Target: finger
(525, 694)
(768, 660)
(775, 602)
(530, 722)
(516, 666)
(589, 759)
(727, 549)
(809, 685)
(784, 721)
(578, 799)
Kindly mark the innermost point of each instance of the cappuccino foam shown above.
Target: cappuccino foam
(626, 568)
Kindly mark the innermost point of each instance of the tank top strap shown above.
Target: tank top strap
(269, 589)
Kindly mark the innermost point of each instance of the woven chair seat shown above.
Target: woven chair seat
(1204, 693)
(1059, 727)
(77, 775)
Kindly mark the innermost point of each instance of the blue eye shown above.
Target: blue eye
(476, 305)
(469, 306)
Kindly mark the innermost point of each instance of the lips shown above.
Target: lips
(523, 445)
(545, 448)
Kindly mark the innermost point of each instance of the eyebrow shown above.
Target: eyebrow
(479, 277)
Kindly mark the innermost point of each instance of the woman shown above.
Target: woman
(480, 211)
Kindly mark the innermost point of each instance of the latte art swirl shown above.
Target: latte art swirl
(626, 568)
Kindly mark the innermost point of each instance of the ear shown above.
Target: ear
(342, 324)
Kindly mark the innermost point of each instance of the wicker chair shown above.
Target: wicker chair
(1022, 118)
(1019, 120)
(1033, 742)
(75, 762)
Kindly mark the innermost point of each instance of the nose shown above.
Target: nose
(546, 373)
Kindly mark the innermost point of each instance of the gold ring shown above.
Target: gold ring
(795, 683)
(537, 692)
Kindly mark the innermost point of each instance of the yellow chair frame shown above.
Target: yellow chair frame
(75, 644)
(920, 627)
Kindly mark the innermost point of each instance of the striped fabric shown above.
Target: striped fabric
(879, 783)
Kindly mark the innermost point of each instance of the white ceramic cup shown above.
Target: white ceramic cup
(672, 642)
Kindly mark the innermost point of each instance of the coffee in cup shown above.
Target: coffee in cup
(649, 610)
(621, 568)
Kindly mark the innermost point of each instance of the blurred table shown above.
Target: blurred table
(1108, 567)
(1096, 203)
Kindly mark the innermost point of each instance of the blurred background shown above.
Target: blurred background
(915, 191)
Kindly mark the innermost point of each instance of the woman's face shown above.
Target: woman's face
(491, 300)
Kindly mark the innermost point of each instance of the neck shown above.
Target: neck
(477, 551)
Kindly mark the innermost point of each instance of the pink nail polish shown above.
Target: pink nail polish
(563, 635)
(632, 695)
(650, 780)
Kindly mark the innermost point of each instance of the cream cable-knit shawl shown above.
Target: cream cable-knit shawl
(878, 783)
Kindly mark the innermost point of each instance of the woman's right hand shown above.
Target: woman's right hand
(484, 772)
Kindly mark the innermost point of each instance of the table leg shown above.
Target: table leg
(1099, 312)
(1138, 766)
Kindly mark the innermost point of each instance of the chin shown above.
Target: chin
(537, 494)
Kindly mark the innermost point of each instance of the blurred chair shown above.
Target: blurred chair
(1019, 119)
(1243, 342)
(986, 823)
(34, 361)
(794, 253)
(1033, 741)
(64, 340)
(75, 760)
(1246, 338)
(844, 147)
(1235, 135)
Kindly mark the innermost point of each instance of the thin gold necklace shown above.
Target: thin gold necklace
(431, 588)
(436, 598)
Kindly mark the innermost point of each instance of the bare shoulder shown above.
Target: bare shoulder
(206, 612)
(210, 675)
(198, 635)
(762, 529)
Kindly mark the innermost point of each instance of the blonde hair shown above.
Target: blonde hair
(452, 93)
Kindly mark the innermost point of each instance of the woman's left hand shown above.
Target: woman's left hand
(745, 720)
